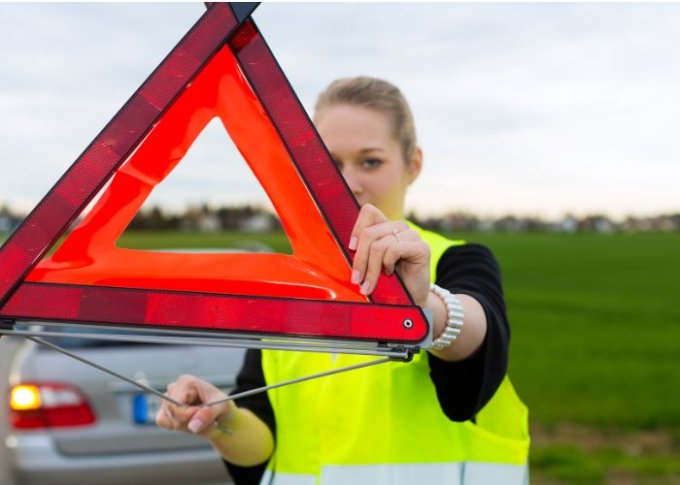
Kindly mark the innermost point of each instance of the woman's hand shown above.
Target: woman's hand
(194, 418)
(392, 246)
(236, 433)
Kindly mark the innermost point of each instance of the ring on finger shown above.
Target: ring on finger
(395, 233)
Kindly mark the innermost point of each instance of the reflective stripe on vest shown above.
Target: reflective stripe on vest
(378, 424)
(470, 473)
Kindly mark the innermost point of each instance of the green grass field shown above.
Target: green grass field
(596, 326)
(595, 346)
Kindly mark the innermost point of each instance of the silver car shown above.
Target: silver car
(67, 422)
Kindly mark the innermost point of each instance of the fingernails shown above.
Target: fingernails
(353, 243)
(365, 286)
(195, 425)
(356, 277)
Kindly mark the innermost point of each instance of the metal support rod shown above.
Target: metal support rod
(298, 379)
(144, 387)
(251, 392)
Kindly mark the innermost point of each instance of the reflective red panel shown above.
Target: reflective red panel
(231, 313)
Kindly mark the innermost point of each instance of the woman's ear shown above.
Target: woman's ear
(416, 165)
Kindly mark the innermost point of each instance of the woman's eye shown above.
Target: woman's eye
(371, 163)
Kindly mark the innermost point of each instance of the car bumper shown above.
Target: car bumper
(35, 460)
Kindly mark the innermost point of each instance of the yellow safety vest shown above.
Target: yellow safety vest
(384, 425)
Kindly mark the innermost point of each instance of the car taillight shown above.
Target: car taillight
(48, 405)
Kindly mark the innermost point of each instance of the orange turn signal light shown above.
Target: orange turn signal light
(25, 397)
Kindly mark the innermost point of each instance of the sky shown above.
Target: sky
(531, 109)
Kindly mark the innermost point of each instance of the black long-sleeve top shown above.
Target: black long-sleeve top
(464, 387)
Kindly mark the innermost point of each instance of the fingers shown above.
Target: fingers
(164, 417)
(369, 215)
(380, 245)
(412, 250)
(171, 417)
(192, 417)
(204, 419)
(380, 248)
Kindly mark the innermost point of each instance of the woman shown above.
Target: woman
(450, 415)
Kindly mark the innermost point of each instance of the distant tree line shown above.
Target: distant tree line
(249, 218)
(568, 223)
(207, 219)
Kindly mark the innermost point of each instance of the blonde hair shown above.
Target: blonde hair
(378, 95)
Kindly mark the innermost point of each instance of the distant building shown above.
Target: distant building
(260, 222)
(597, 223)
(568, 224)
(208, 223)
(6, 223)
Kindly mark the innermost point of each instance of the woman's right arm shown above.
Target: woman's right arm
(236, 433)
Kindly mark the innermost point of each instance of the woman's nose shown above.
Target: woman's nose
(352, 181)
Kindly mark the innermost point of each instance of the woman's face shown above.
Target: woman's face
(370, 158)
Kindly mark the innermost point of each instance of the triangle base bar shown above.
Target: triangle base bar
(179, 337)
(207, 311)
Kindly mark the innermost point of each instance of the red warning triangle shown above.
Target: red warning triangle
(221, 69)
